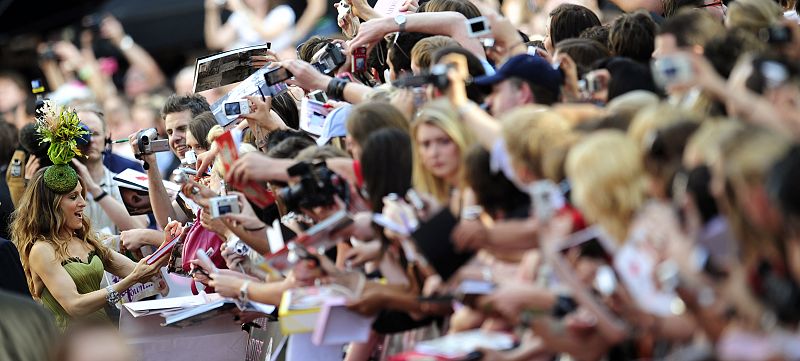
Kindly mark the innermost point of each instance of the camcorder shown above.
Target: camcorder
(437, 76)
(222, 205)
(318, 187)
(331, 59)
(147, 142)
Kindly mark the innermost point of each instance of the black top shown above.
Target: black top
(12, 277)
(6, 204)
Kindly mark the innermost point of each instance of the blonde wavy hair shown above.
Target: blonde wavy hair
(38, 218)
(753, 15)
(439, 113)
(538, 139)
(746, 156)
(607, 177)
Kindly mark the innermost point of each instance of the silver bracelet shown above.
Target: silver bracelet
(113, 297)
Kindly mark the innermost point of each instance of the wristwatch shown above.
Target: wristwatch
(400, 20)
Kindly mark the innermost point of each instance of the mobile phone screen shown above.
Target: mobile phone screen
(276, 76)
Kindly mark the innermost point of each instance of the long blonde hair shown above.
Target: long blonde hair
(38, 218)
(607, 177)
(441, 115)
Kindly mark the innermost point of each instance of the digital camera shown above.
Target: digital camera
(237, 246)
(436, 76)
(222, 205)
(672, 69)
(236, 108)
(317, 187)
(331, 59)
(147, 142)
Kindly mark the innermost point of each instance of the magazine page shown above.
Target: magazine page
(225, 68)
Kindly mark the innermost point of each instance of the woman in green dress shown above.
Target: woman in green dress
(61, 254)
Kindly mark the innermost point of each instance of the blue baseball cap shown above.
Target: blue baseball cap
(334, 125)
(533, 69)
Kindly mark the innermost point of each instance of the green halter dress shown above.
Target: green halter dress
(87, 278)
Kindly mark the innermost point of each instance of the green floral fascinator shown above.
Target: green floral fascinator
(61, 127)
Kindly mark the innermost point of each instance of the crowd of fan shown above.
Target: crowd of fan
(669, 129)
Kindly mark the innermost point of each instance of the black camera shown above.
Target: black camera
(318, 187)
(331, 59)
(147, 142)
(436, 76)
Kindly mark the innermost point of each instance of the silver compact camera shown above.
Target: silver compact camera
(236, 108)
(223, 205)
(237, 246)
(147, 142)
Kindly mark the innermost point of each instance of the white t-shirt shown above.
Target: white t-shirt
(247, 36)
(101, 222)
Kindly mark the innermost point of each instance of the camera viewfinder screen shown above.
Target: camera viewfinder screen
(224, 209)
(277, 76)
(478, 26)
(232, 109)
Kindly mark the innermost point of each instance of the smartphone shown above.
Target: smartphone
(478, 27)
(359, 64)
(277, 75)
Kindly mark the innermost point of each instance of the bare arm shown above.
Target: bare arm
(159, 199)
(43, 262)
(135, 54)
(217, 36)
(439, 23)
(362, 10)
(308, 78)
(110, 205)
(633, 5)
(315, 9)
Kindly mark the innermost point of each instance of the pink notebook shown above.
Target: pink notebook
(337, 325)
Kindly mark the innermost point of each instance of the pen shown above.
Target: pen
(118, 141)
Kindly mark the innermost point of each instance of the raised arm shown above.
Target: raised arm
(113, 207)
(447, 23)
(217, 36)
(135, 54)
(315, 9)
(308, 78)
